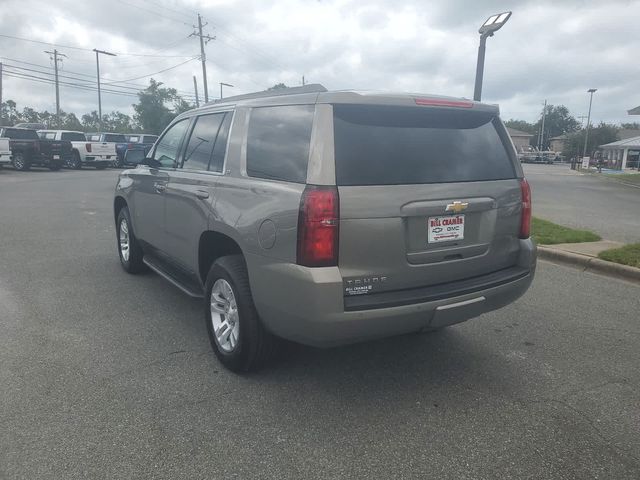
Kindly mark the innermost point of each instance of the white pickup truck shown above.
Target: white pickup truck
(85, 153)
(5, 152)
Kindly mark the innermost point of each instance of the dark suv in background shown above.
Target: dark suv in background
(330, 217)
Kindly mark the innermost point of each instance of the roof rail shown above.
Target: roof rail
(310, 88)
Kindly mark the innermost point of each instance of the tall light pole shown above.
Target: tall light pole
(488, 28)
(98, 52)
(226, 85)
(586, 136)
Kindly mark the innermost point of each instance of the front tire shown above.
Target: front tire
(20, 162)
(129, 249)
(236, 333)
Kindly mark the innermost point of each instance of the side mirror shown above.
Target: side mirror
(137, 156)
(150, 162)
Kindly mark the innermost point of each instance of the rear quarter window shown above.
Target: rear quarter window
(381, 145)
(278, 142)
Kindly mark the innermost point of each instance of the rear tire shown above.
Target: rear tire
(129, 249)
(254, 346)
(76, 162)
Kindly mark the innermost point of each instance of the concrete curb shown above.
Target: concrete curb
(608, 179)
(591, 264)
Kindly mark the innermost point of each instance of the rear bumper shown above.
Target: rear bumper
(307, 305)
(5, 159)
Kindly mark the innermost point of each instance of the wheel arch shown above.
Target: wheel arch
(118, 204)
(213, 245)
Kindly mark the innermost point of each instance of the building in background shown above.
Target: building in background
(520, 139)
(557, 143)
(623, 153)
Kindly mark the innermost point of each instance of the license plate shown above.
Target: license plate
(56, 157)
(445, 228)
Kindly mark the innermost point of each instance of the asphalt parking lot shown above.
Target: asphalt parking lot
(107, 375)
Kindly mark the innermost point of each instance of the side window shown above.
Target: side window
(201, 142)
(50, 136)
(278, 142)
(169, 146)
(220, 148)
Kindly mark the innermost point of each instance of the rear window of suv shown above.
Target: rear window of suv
(382, 145)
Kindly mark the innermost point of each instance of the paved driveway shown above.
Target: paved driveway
(584, 201)
(107, 375)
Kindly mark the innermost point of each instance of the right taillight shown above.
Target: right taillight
(88, 145)
(318, 227)
(525, 220)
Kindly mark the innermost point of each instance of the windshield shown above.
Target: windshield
(73, 136)
(110, 137)
(21, 134)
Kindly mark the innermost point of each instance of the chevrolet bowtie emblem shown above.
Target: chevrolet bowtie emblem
(456, 207)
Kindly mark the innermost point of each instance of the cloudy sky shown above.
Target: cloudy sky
(552, 50)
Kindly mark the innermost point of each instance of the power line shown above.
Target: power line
(151, 74)
(91, 78)
(153, 12)
(33, 78)
(190, 15)
(124, 54)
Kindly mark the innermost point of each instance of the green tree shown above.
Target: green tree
(9, 113)
(521, 125)
(91, 122)
(30, 115)
(157, 106)
(119, 122)
(602, 134)
(631, 126)
(558, 121)
(69, 121)
(277, 86)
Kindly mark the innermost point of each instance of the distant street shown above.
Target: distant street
(108, 375)
(582, 201)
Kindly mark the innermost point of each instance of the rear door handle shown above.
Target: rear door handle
(202, 194)
(160, 187)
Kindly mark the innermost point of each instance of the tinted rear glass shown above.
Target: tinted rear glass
(278, 142)
(149, 139)
(21, 134)
(377, 145)
(73, 136)
(115, 138)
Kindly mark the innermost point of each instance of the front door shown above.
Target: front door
(151, 185)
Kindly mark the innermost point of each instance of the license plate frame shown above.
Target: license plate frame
(445, 228)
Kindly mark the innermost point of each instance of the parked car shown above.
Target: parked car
(138, 147)
(28, 150)
(84, 153)
(119, 141)
(327, 218)
(5, 152)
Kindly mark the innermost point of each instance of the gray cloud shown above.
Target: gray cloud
(548, 50)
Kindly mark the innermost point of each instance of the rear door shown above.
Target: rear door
(191, 189)
(427, 196)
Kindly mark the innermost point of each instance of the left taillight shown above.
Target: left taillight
(318, 227)
(525, 219)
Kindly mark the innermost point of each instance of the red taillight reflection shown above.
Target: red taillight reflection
(318, 227)
(525, 220)
(441, 102)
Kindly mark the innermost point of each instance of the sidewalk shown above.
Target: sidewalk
(585, 256)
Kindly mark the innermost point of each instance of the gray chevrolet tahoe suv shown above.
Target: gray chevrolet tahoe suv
(330, 217)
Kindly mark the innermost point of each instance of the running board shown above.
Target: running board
(183, 284)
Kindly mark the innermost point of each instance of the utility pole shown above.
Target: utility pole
(541, 136)
(195, 87)
(591, 91)
(98, 73)
(204, 39)
(54, 56)
(303, 84)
